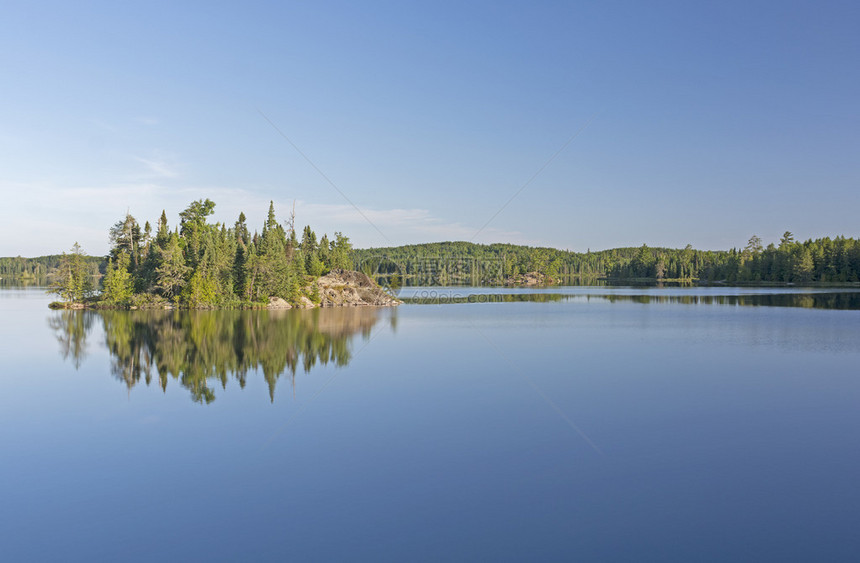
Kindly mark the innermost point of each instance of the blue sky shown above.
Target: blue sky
(699, 123)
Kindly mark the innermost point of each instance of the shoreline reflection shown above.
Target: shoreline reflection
(811, 300)
(197, 348)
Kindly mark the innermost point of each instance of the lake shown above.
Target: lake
(611, 424)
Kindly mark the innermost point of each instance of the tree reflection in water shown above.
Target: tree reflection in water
(199, 347)
(71, 329)
(847, 300)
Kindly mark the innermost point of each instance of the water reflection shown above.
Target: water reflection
(823, 300)
(812, 300)
(71, 329)
(23, 282)
(434, 298)
(199, 348)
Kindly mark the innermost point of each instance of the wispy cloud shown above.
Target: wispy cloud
(158, 167)
(406, 225)
(52, 217)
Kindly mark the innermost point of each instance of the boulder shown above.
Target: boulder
(352, 289)
(278, 303)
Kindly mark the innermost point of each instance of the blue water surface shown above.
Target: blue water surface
(579, 429)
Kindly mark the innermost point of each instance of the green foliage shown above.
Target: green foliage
(201, 265)
(204, 265)
(200, 292)
(118, 283)
(40, 269)
(171, 271)
(324, 253)
(125, 237)
(163, 234)
(194, 230)
(340, 252)
(823, 260)
(293, 291)
(315, 266)
(73, 281)
(753, 246)
(194, 216)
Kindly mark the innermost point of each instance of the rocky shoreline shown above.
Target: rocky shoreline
(342, 288)
(338, 288)
(530, 279)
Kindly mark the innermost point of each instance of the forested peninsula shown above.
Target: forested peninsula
(202, 265)
(821, 261)
(198, 264)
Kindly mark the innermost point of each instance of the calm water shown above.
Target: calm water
(588, 424)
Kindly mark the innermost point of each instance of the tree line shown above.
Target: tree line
(827, 260)
(38, 269)
(199, 264)
(823, 260)
(202, 264)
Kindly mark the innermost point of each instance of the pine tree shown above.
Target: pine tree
(314, 265)
(170, 274)
(73, 281)
(163, 234)
(241, 231)
(251, 271)
(125, 237)
(803, 265)
(118, 283)
(340, 252)
(324, 253)
(147, 240)
(200, 290)
(193, 228)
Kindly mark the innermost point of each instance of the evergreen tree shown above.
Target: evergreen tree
(324, 253)
(193, 229)
(241, 230)
(200, 291)
(340, 252)
(118, 283)
(147, 240)
(753, 245)
(803, 265)
(163, 234)
(315, 266)
(660, 268)
(125, 237)
(251, 270)
(73, 281)
(194, 216)
(171, 272)
(273, 260)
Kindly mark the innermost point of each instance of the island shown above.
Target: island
(202, 265)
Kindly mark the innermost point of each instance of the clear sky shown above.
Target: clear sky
(697, 122)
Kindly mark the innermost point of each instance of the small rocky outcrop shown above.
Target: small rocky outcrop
(530, 279)
(278, 303)
(348, 288)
